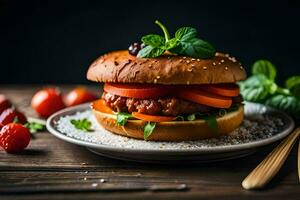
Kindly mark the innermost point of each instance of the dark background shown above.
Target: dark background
(55, 41)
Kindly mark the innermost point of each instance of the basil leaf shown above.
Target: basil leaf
(195, 48)
(289, 104)
(153, 40)
(171, 43)
(148, 129)
(35, 127)
(150, 52)
(264, 67)
(82, 124)
(122, 118)
(185, 33)
(179, 118)
(211, 122)
(257, 88)
(293, 84)
(191, 117)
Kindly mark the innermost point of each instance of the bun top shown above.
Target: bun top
(121, 67)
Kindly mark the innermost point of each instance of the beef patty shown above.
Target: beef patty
(169, 106)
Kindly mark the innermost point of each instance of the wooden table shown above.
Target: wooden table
(51, 168)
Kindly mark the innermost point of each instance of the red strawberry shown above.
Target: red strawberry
(4, 103)
(14, 138)
(11, 114)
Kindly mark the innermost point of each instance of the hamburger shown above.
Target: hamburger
(173, 95)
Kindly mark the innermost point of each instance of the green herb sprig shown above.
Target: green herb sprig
(148, 129)
(184, 42)
(122, 118)
(82, 124)
(261, 87)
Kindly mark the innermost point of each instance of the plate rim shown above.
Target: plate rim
(204, 150)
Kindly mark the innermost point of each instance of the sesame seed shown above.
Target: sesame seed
(155, 80)
(214, 63)
(85, 178)
(187, 82)
(198, 59)
(241, 67)
(219, 63)
(190, 69)
(222, 61)
(102, 180)
(184, 57)
(158, 77)
(193, 65)
(227, 55)
(94, 184)
(204, 68)
(188, 61)
(226, 68)
(193, 59)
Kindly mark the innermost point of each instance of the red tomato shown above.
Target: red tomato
(9, 115)
(141, 91)
(152, 118)
(79, 95)
(100, 106)
(205, 98)
(47, 101)
(4, 103)
(224, 89)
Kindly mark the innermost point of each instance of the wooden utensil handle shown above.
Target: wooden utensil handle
(269, 167)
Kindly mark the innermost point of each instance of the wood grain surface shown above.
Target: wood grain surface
(53, 169)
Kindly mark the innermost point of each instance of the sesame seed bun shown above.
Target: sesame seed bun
(172, 131)
(120, 66)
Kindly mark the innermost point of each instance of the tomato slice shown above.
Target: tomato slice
(140, 91)
(152, 118)
(205, 98)
(100, 105)
(224, 89)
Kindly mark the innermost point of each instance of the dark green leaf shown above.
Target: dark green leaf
(122, 118)
(179, 118)
(148, 129)
(35, 127)
(191, 117)
(293, 84)
(82, 124)
(211, 122)
(195, 48)
(153, 40)
(289, 104)
(185, 33)
(171, 44)
(150, 52)
(264, 67)
(257, 88)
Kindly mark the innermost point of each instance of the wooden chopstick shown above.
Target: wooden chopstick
(269, 167)
(299, 161)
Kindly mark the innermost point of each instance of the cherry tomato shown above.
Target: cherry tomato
(79, 95)
(4, 103)
(47, 101)
(10, 115)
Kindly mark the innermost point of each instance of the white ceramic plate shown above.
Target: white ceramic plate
(123, 148)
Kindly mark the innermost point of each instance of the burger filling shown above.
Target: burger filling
(167, 106)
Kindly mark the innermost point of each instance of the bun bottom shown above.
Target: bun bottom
(172, 131)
